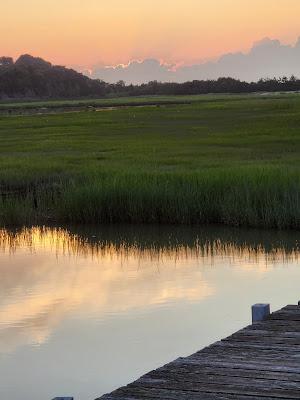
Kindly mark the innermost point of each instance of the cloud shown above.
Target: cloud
(267, 58)
(134, 72)
(34, 302)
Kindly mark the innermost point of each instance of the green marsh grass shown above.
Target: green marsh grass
(216, 160)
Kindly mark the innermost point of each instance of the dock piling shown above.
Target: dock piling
(63, 398)
(260, 312)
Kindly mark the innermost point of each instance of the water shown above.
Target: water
(85, 311)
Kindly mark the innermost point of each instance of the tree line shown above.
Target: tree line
(33, 78)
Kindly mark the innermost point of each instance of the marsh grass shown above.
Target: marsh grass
(261, 198)
(251, 198)
(218, 161)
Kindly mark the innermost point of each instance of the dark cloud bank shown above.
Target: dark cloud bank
(267, 59)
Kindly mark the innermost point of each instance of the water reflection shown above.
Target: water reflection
(107, 275)
(151, 242)
(51, 276)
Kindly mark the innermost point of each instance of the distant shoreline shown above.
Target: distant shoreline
(31, 77)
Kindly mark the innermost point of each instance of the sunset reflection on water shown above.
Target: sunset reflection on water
(53, 278)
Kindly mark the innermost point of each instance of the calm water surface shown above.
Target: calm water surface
(85, 311)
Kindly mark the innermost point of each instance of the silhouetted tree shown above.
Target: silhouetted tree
(6, 61)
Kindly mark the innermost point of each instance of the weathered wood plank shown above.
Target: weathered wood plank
(274, 324)
(192, 369)
(208, 380)
(153, 394)
(260, 345)
(265, 335)
(259, 362)
(216, 389)
(276, 389)
(242, 365)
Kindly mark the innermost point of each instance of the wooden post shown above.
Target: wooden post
(63, 398)
(260, 312)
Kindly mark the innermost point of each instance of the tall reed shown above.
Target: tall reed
(253, 197)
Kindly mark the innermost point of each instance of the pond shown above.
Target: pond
(86, 310)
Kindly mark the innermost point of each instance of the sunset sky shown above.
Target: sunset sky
(76, 32)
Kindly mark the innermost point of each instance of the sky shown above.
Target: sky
(267, 58)
(102, 32)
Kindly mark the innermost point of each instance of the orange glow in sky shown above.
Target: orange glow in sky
(76, 32)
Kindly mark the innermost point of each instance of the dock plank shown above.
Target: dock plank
(259, 362)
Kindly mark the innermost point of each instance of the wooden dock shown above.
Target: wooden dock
(260, 362)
